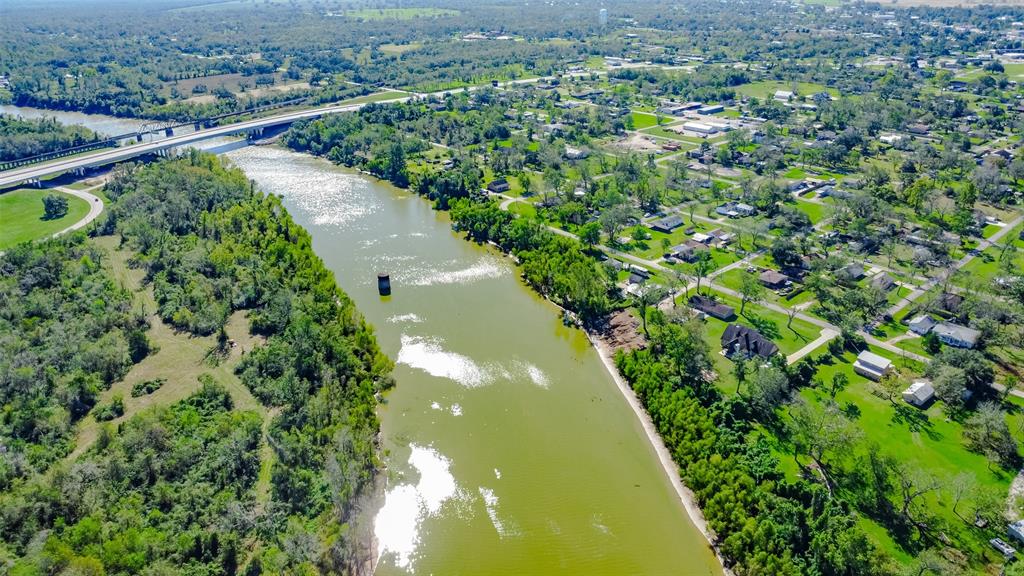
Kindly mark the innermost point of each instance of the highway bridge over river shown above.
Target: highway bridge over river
(33, 173)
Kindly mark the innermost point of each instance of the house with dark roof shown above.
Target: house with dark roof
(949, 303)
(687, 251)
(742, 342)
(712, 307)
(499, 186)
(774, 280)
(883, 282)
(667, 224)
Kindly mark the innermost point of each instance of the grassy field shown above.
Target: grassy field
(926, 439)
(400, 48)
(644, 120)
(767, 89)
(815, 211)
(21, 216)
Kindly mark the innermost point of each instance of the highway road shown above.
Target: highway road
(33, 172)
(101, 158)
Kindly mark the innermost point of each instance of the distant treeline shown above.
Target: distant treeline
(24, 138)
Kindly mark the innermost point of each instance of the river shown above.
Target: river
(510, 450)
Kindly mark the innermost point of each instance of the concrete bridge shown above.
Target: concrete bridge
(33, 174)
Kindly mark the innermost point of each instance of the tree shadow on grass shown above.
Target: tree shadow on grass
(763, 325)
(915, 420)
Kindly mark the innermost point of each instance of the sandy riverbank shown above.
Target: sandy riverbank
(686, 496)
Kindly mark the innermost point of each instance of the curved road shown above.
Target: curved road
(95, 207)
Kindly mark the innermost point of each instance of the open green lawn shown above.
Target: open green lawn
(21, 216)
(767, 89)
(644, 120)
(988, 265)
(815, 211)
(924, 439)
(523, 209)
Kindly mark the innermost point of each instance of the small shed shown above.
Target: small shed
(871, 365)
(919, 394)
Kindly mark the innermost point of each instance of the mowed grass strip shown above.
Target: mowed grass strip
(21, 216)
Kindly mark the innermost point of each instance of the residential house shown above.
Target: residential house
(784, 95)
(919, 394)
(667, 224)
(687, 251)
(1016, 531)
(956, 335)
(573, 153)
(890, 139)
(736, 210)
(852, 272)
(720, 236)
(922, 324)
(872, 366)
(774, 280)
(498, 186)
(1008, 552)
(918, 129)
(742, 342)
(950, 303)
(712, 307)
(883, 282)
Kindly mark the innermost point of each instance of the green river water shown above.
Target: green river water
(510, 448)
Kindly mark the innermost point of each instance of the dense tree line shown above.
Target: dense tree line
(764, 524)
(67, 331)
(23, 138)
(170, 493)
(554, 265)
(171, 490)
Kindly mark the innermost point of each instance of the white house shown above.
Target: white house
(921, 325)
(573, 153)
(890, 139)
(871, 365)
(919, 394)
(956, 335)
(784, 95)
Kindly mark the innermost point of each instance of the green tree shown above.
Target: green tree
(590, 234)
(54, 206)
(702, 266)
(751, 290)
